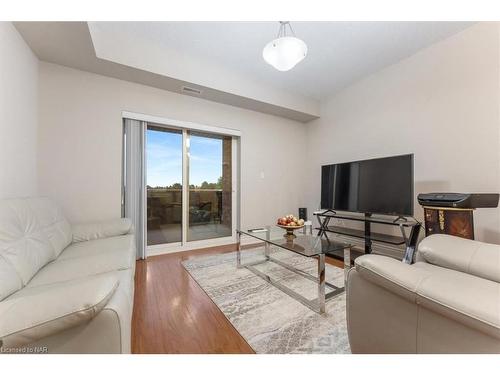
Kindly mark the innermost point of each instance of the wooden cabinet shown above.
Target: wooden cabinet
(454, 221)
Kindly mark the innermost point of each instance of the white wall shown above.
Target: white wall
(18, 115)
(442, 104)
(80, 146)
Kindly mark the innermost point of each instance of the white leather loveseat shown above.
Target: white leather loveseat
(63, 288)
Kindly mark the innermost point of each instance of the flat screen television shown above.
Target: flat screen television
(379, 186)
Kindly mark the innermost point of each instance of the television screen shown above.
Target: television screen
(382, 186)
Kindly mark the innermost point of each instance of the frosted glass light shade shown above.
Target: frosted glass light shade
(284, 53)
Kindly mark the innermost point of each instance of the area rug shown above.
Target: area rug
(267, 318)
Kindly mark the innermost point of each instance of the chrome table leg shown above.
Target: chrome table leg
(317, 305)
(347, 263)
(321, 283)
(267, 247)
(238, 249)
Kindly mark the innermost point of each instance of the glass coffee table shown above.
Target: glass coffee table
(307, 245)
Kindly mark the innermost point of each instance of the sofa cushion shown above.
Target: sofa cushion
(9, 279)
(472, 257)
(31, 317)
(99, 261)
(101, 229)
(32, 233)
(125, 244)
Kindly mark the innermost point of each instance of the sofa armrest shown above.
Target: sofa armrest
(33, 316)
(391, 274)
(101, 229)
(459, 254)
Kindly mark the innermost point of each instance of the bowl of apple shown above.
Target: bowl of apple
(290, 223)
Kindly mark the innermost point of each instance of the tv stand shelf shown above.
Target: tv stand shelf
(378, 237)
(399, 221)
(403, 223)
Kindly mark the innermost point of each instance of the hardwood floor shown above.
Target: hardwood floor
(172, 314)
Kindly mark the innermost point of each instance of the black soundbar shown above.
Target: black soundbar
(458, 200)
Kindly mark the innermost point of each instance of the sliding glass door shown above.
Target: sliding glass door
(210, 186)
(189, 186)
(163, 185)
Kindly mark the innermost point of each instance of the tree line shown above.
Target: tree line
(204, 185)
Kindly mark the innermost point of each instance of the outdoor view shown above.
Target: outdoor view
(209, 202)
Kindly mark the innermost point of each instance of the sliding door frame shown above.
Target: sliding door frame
(185, 126)
(185, 186)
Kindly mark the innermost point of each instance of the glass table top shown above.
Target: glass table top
(304, 244)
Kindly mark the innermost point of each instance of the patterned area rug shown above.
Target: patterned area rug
(268, 319)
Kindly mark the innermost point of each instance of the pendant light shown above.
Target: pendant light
(286, 50)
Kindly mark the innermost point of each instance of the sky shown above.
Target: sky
(164, 159)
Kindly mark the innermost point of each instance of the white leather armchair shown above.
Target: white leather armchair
(448, 301)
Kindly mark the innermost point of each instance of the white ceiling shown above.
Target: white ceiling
(339, 53)
(224, 59)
